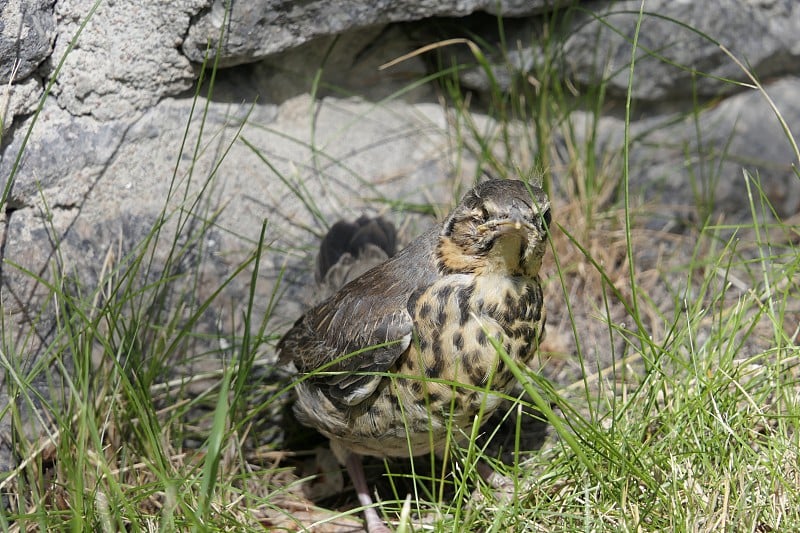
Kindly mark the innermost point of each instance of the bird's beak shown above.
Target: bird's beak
(507, 225)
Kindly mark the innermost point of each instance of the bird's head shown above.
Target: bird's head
(499, 227)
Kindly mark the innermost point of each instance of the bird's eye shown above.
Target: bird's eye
(547, 217)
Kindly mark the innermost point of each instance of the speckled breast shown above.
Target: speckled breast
(442, 381)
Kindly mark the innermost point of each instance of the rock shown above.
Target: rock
(126, 58)
(594, 44)
(679, 55)
(65, 155)
(27, 31)
(697, 161)
(347, 64)
(17, 100)
(258, 29)
(700, 161)
(114, 194)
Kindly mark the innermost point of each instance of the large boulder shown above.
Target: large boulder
(254, 30)
(684, 46)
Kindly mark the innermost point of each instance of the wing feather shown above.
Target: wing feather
(365, 327)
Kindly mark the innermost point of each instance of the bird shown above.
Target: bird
(350, 249)
(407, 353)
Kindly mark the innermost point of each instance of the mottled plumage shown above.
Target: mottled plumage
(403, 352)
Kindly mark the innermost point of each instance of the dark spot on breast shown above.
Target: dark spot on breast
(441, 315)
(510, 303)
(502, 377)
(458, 402)
(524, 331)
(444, 292)
(464, 295)
(434, 397)
(475, 398)
(485, 308)
(468, 361)
(458, 341)
(394, 399)
(424, 344)
(436, 345)
(416, 387)
(533, 302)
(511, 314)
(481, 337)
(478, 375)
(434, 370)
(424, 310)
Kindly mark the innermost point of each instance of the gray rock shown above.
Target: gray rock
(27, 31)
(596, 46)
(740, 134)
(258, 29)
(17, 100)
(694, 164)
(94, 201)
(127, 57)
(64, 156)
(350, 64)
(676, 59)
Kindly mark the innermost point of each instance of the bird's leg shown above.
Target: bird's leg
(503, 486)
(356, 470)
(492, 477)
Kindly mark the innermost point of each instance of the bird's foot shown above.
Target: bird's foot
(505, 489)
(375, 523)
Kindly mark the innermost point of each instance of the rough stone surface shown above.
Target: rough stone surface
(675, 45)
(126, 59)
(701, 162)
(16, 100)
(63, 157)
(697, 162)
(260, 28)
(291, 73)
(597, 46)
(27, 30)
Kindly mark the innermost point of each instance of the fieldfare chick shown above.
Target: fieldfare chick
(387, 354)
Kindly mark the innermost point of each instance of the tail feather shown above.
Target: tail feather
(367, 240)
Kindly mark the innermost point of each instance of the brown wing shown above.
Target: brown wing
(364, 327)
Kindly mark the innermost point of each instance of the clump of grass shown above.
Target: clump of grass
(681, 423)
(101, 417)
